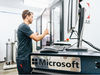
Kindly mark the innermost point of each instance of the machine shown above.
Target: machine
(65, 58)
(65, 62)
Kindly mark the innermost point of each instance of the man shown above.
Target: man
(25, 36)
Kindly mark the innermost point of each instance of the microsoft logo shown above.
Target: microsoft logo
(43, 62)
(34, 61)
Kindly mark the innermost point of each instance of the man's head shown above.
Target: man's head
(27, 15)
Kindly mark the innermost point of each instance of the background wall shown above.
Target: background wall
(10, 19)
(92, 21)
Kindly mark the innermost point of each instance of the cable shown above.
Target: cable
(71, 45)
(91, 45)
(76, 34)
(80, 0)
(80, 6)
(88, 42)
(72, 34)
(64, 48)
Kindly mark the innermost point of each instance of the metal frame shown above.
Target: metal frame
(61, 3)
(40, 17)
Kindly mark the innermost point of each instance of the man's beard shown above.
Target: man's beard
(30, 22)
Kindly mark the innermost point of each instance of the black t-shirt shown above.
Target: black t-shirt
(24, 41)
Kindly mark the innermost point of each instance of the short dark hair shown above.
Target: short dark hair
(25, 13)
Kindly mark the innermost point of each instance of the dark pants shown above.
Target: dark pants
(23, 66)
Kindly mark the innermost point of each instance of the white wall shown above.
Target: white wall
(55, 2)
(91, 30)
(10, 19)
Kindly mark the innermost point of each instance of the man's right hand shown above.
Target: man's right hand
(37, 33)
(46, 32)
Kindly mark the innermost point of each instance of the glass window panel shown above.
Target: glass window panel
(56, 24)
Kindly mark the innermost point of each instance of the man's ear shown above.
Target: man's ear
(27, 16)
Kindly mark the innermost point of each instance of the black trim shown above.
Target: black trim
(50, 27)
(62, 22)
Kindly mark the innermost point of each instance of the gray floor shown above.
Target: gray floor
(7, 72)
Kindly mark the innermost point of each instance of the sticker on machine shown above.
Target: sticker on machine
(72, 64)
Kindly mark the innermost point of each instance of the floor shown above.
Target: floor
(7, 72)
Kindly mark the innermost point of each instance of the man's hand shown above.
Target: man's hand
(46, 32)
(37, 33)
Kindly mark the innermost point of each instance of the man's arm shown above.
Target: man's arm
(36, 37)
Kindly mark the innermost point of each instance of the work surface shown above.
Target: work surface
(72, 53)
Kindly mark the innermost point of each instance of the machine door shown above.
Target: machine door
(46, 24)
(57, 26)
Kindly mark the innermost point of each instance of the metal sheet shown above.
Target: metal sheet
(72, 64)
